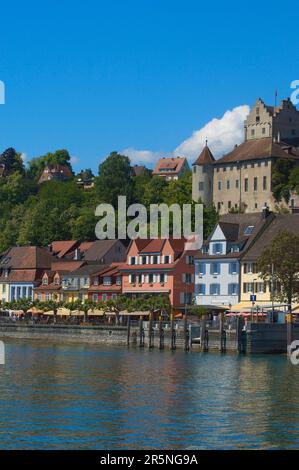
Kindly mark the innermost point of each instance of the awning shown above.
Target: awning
(125, 313)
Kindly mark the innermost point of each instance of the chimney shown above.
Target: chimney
(78, 254)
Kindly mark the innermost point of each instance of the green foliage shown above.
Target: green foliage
(60, 157)
(114, 179)
(12, 161)
(283, 253)
(38, 214)
(282, 170)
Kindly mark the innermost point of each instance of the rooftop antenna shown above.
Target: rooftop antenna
(275, 100)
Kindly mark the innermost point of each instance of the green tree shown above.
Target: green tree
(283, 253)
(114, 179)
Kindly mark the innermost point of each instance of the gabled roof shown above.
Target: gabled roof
(169, 166)
(26, 257)
(99, 249)
(256, 149)
(62, 247)
(281, 222)
(205, 158)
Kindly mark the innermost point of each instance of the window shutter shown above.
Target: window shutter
(244, 287)
(184, 277)
(230, 268)
(181, 297)
(130, 278)
(165, 277)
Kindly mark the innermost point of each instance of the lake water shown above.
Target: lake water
(89, 397)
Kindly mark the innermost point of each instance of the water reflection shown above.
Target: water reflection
(54, 396)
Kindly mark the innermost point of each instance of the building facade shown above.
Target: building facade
(159, 266)
(171, 168)
(218, 264)
(242, 180)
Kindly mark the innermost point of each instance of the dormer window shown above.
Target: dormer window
(217, 248)
(45, 281)
(96, 281)
(248, 230)
(56, 281)
(107, 281)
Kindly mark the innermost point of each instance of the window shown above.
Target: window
(132, 260)
(202, 269)
(219, 206)
(45, 281)
(227, 184)
(166, 259)
(200, 186)
(150, 278)
(255, 183)
(132, 278)
(217, 248)
(237, 184)
(215, 268)
(219, 186)
(143, 259)
(3, 288)
(252, 132)
(215, 289)
(248, 230)
(56, 281)
(232, 289)
(266, 163)
(246, 184)
(201, 289)
(233, 268)
(190, 260)
(96, 281)
(263, 130)
(162, 278)
(229, 204)
(118, 280)
(264, 183)
(104, 297)
(95, 297)
(248, 287)
(187, 278)
(107, 281)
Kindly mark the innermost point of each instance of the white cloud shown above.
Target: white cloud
(74, 160)
(141, 156)
(222, 134)
(24, 156)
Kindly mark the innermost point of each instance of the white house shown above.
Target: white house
(217, 266)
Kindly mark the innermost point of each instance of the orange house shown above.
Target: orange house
(159, 266)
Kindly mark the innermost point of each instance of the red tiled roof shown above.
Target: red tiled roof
(62, 247)
(169, 166)
(205, 158)
(26, 257)
(66, 265)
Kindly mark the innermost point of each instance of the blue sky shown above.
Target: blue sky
(97, 76)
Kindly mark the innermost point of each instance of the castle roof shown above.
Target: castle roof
(257, 149)
(205, 158)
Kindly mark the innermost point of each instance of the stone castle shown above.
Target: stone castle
(242, 179)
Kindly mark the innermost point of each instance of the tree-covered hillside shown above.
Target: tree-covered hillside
(33, 213)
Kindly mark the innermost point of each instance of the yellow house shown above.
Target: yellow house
(251, 282)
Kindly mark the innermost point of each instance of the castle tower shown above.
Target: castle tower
(202, 177)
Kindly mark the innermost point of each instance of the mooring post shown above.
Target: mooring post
(289, 319)
(221, 330)
(141, 333)
(186, 334)
(128, 330)
(161, 335)
(173, 334)
(150, 332)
